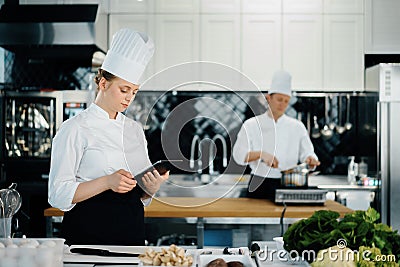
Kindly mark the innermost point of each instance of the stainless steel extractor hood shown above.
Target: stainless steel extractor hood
(60, 33)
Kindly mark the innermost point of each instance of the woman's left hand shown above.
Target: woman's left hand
(153, 180)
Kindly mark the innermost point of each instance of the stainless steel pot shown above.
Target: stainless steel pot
(296, 176)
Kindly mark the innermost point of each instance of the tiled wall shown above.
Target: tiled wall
(172, 119)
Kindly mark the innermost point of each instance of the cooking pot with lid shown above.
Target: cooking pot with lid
(296, 177)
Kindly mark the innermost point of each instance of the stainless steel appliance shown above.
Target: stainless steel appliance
(385, 79)
(300, 196)
(31, 120)
(70, 33)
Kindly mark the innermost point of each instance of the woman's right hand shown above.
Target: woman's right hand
(269, 159)
(121, 181)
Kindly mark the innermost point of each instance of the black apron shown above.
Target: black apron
(108, 218)
(266, 189)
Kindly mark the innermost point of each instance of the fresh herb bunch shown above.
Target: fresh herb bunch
(359, 228)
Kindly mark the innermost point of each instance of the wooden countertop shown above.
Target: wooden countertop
(182, 207)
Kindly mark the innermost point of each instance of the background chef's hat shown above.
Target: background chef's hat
(129, 54)
(281, 83)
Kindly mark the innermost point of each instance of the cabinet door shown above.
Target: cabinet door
(343, 52)
(302, 50)
(302, 6)
(177, 6)
(141, 23)
(261, 47)
(220, 39)
(261, 6)
(344, 6)
(129, 6)
(177, 37)
(220, 6)
(382, 27)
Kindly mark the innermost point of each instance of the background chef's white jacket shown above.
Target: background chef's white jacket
(91, 145)
(287, 139)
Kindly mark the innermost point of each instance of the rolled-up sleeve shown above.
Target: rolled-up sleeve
(67, 150)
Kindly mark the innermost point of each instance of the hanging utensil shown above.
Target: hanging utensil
(309, 123)
(332, 124)
(315, 132)
(339, 127)
(11, 200)
(326, 131)
(348, 124)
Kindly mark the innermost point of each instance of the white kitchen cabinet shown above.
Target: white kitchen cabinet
(141, 23)
(261, 47)
(220, 39)
(177, 38)
(261, 6)
(220, 6)
(302, 50)
(177, 6)
(131, 6)
(343, 52)
(344, 6)
(382, 20)
(302, 6)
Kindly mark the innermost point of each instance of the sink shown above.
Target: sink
(225, 185)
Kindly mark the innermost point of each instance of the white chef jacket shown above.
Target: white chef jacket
(287, 139)
(91, 145)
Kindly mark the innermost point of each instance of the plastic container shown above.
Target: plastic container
(363, 168)
(32, 252)
(352, 171)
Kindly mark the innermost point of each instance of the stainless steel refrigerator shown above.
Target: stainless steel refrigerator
(385, 78)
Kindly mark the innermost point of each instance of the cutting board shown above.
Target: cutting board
(78, 258)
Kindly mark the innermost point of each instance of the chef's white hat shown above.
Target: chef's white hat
(129, 54)
(281, 83)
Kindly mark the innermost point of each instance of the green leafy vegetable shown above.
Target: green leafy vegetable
(359, 228)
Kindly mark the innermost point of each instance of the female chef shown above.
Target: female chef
(273, 141)
(90, 177)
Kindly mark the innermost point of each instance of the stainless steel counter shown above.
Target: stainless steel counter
(336, 183)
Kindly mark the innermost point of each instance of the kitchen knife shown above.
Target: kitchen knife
(101, 252)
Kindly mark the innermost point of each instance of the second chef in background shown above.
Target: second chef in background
(272, 142)
(90, 178)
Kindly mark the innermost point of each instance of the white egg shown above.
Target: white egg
(27, 245)
(34, 242)
(7, 241)
(49, 243)
(12, 245)
(2, 245)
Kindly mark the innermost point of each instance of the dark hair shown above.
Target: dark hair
(103, 73)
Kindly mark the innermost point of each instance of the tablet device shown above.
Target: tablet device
(162, 166)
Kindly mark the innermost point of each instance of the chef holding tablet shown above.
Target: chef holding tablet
(90, 179)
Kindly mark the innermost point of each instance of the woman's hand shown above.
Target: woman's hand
(121, 181)
(153, 180)
(269, 159)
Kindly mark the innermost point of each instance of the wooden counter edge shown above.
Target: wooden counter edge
(50, 212)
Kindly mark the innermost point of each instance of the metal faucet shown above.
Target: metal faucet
(196, 139)
(211, 153)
